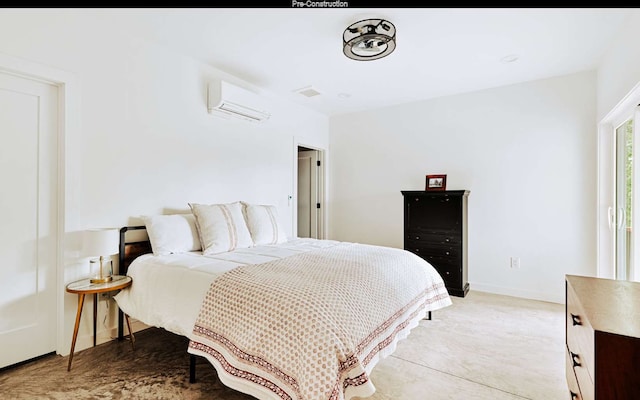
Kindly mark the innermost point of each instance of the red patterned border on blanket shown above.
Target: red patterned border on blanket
(344, 366)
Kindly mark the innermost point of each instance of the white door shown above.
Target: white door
(627, 199)
(28, 239)
(308, 194)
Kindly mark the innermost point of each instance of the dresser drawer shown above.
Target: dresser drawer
(451, 275)
(448, 267)
(452, 254)
(580, 334)
(584, 380)
(572, 382)
(438, 238)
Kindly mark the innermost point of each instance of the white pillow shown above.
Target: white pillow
(221, 227)
(176, 233)
(264, 224)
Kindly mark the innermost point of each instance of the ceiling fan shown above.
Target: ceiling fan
(369, 39)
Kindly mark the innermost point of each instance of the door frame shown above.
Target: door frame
(68, 126)
(322, 188)
(606, 196)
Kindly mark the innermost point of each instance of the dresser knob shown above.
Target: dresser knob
(446, 240)
(417, 237)
(417, 250)
(575, 359)
(446, 252)
(575, 319)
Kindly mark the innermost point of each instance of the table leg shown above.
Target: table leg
(133, 339)
(75, 328)
(95, 312)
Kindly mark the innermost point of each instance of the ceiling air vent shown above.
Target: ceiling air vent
(308, 91)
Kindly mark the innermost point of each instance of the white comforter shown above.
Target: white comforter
(181, 294)
(167, 290)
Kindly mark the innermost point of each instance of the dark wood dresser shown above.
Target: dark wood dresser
(435, 228)
(602, 338)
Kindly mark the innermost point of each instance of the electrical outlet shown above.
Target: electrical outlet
(515, 262)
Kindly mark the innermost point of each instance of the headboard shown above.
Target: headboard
(129, 251)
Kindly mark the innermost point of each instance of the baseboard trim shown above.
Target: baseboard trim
(526, 294)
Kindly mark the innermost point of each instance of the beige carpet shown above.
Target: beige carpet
(484, 346)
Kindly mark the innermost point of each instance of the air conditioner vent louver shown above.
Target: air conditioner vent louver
(241, 111)
(230, 101)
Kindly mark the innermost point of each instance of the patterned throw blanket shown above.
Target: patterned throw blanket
(313, 325)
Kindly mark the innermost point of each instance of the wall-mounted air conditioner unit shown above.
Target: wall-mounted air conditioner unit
(230, 101)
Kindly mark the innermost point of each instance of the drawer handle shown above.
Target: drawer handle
(417, 250)
(446, 252)
(575, 359)
(573, 395)
(417, 237)
(575, 319)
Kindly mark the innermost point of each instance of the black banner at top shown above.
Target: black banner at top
(301, 4)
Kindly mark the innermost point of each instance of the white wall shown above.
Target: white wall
(618, 76)
(147, 144)
(527, 153)
(619, 71)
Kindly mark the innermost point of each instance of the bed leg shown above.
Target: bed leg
(192, 368)
(120, 327)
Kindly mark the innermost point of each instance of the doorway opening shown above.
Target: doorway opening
(310, 193)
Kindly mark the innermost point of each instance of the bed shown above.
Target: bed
(277, 318)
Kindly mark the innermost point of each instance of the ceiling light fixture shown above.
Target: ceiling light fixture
(369, 39)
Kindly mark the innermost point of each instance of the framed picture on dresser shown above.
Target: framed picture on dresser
(436, 182)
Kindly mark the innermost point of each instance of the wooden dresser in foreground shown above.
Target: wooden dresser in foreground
(602, 338)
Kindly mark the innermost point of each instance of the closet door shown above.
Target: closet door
(28, 233)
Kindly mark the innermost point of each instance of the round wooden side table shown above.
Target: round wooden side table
(84, 287)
